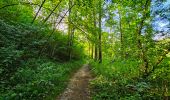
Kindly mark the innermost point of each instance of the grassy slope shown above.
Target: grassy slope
(26, 75)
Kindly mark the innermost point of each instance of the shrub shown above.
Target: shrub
(39, 79)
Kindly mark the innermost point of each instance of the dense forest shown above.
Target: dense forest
(126, 44)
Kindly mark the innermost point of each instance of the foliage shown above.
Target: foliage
(27, 68)
(47, 80)
(123, 82)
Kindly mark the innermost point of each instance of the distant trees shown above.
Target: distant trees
(86, 17)
(131, 24)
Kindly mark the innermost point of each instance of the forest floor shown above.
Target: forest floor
(78, 87)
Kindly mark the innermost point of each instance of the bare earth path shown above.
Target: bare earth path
(78, 87)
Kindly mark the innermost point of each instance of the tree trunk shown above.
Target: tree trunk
(92, 51)
(38, 11)
(100, 32)
(121, 35)
(95, 36)
(96, 52)
(69, 31)
(142, 53)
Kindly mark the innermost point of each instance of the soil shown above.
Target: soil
(78, 87)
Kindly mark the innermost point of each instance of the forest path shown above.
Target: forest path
(78, 87)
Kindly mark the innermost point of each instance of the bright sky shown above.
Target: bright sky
(162, 24)
(161, 21)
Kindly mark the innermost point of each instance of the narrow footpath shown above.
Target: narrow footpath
(78, 87)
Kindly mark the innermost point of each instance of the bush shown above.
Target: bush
(28, 66)
(121, 80)
(39, 79)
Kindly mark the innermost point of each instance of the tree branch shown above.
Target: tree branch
(52, 11)
(162, 58)
(26, 3)
(60, 21)
(86, 33)
(159, 61)
(55, 27)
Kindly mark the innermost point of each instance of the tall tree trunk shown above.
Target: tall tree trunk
(100, 32)
(121, 34)
(95, 36)
(70, 32)
(142, 52)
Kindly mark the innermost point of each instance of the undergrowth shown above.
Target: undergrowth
(121, 80)
(34, 66)
(38, 79)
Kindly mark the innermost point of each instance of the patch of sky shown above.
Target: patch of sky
(161, 16)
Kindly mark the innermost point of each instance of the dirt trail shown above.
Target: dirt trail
(78, 87)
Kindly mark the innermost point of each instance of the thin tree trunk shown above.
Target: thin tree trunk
(95, 36)
(121, 35)
(89, 49)
(96, 52)
(70, 32)
(52, 11)
(100, 32)
(71, 42)
(92, 52)
(38, 11)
